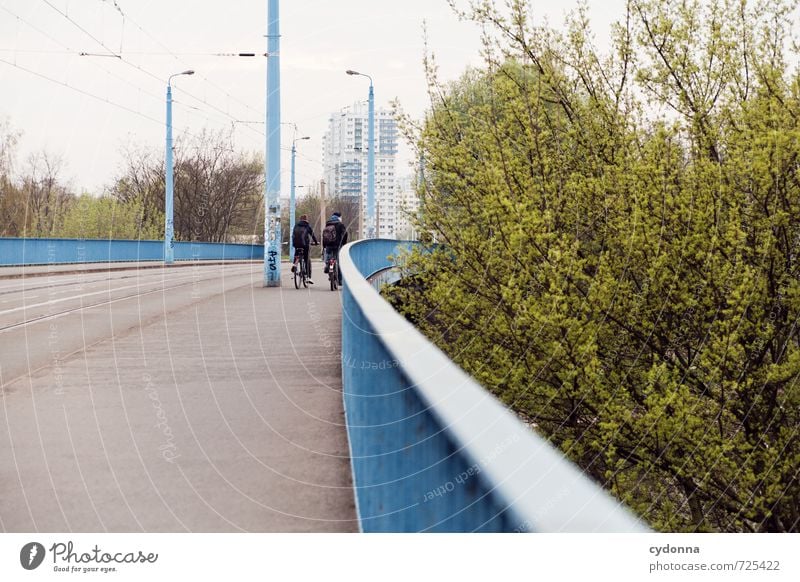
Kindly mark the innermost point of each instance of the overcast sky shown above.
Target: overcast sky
(156, 38)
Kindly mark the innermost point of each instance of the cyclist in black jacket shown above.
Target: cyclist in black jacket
(302, 235)
(334, 237)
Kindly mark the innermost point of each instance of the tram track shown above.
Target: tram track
(10, 369)
(51, 316)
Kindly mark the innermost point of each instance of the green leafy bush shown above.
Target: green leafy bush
(622, 240)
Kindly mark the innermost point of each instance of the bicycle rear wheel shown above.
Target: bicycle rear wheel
(297, 275)
(305, 273)
(334, 276)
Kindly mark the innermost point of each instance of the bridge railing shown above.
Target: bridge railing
(45, 251)
(432, 450)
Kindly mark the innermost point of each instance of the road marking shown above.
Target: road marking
(73, 297)
(50, 317)
(56, 280)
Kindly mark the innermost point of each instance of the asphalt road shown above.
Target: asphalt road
(181, 399)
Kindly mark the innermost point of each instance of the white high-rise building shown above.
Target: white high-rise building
(407, 203)
(344, 155)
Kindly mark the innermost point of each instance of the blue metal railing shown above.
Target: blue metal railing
(44, 251)
(432, 450)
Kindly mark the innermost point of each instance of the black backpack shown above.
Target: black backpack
(299, 236)
(329, 237)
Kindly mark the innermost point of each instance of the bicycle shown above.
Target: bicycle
(300, 269)
(333, 273)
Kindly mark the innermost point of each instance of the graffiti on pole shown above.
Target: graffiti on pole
(273, 224)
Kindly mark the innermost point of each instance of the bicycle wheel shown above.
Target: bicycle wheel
(332, 276)
(305, 273)
(297, 276)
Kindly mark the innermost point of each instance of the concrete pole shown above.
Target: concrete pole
(272, 214)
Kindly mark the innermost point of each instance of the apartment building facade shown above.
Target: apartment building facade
(344, 156)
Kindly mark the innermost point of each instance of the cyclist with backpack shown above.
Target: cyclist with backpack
(334, 237)
(302, 235)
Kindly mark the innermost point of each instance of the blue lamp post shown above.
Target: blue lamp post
(370, 158)
(292, 205)
(169, 230)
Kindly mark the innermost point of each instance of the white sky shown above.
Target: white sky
(320, 40)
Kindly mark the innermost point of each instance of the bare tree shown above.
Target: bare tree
(12, 206)
(142, 183)
(46, 196)
(347, 206)
(218, 192)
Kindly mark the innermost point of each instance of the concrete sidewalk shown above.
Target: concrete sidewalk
(222, 417)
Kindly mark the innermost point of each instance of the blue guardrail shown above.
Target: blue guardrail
(51, 251)
(432, 450)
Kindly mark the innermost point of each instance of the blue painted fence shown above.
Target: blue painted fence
(432, 450)
(46, 251)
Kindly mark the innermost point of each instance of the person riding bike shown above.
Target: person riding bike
(334, 237)
(302, 234)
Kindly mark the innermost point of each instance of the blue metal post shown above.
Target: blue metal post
(169, 225)
(272, 215)
(371, 166)
(370, 223)
(169, 252)
(292, 204)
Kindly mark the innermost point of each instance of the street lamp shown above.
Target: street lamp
(291, 196)
(370, 158)
(169, 229)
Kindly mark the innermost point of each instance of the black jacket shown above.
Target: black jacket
(302, 233)
(341, 234)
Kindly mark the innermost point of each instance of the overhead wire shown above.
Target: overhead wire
(65, 15)
(68, 50)
(175, 55)
(247, 124)
(119, 56)
(100, 98)
(137, 53)
(119, 105)
(82, 91)
(122, 33)
(157, 98)
(86, 93)
(203, 77)
(143, 70)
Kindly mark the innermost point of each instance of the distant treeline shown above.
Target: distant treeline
(218, 195)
